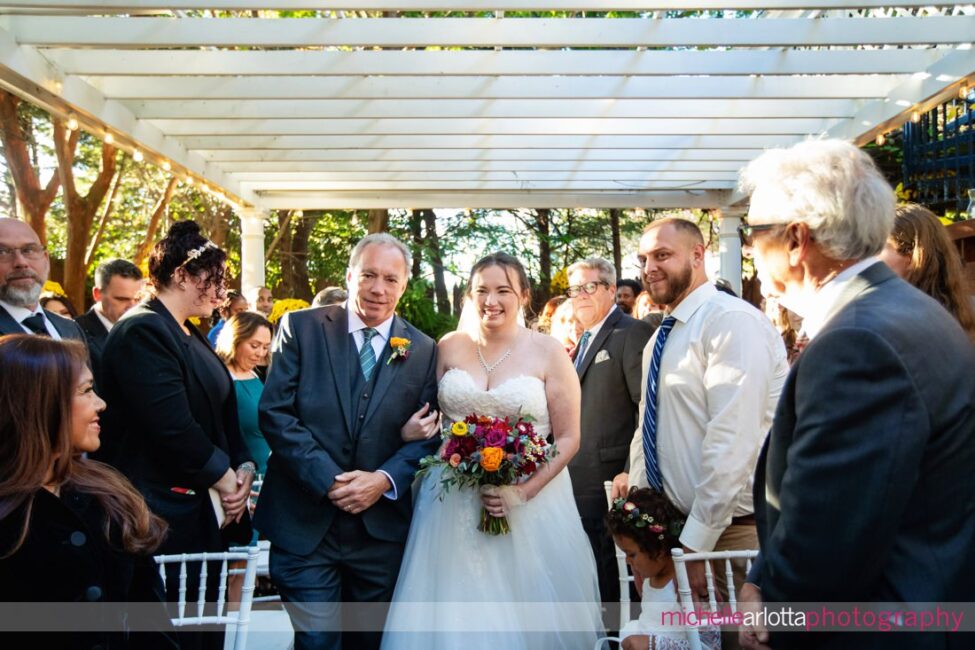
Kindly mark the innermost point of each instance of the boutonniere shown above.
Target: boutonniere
(401, 348)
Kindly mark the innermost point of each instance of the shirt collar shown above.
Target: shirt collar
(693, 302)
(101, 316)
(356, 324)
(20, 313)
(594, 330)
(823, 303)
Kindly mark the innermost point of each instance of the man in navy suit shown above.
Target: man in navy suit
(863, 491)
(336, 502)
(24, 268)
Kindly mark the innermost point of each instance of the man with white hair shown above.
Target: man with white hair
(863, 490)
(24, 268)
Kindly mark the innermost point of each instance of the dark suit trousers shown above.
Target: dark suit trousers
(347, 566)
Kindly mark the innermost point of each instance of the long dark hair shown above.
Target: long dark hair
(184, 246)
(935, 267)
(507, 263)
(37, 386)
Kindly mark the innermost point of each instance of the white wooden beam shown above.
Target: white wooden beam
(129, 6)
(299, 109)
(471, 142)
(139, 33)
(436, 185)
(505, 126)
(241, 170)
(26, 73)
(302, 179)
(514, 87)
(288, 157)
(468, 199)
(490, 62)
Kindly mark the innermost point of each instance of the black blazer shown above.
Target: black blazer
(67, 328)
(864, 488)
(610, 375)
(96, 335)
(67, 559)
(163, 427)
(306, 415)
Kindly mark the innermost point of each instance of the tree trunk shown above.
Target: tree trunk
(416, 222)
(436, 261)
(157, 214)
(284, 230)
(378, 221)
(35, 200)
(80, 209)
(614, 224)
(543, 225)
(106, 215)
(299, 255)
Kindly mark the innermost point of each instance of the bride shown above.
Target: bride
(536, 586)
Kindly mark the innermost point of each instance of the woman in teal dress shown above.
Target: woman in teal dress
(243, 346)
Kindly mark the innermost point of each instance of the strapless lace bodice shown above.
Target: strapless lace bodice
(518, 396)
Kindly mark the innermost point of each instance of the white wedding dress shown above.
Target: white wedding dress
(461, 589)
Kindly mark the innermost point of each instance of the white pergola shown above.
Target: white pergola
(364, 107)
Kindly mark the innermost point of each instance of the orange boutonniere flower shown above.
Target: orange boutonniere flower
(401, 348)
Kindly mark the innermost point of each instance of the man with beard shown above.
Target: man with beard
(24, 267)
(712, 374)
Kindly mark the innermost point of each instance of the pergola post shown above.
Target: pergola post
(729, 246)
(251, 248)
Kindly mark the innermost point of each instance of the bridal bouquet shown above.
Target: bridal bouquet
(482, 450)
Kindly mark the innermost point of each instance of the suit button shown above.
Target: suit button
(78, 538)
(365, 396)
(362, 416)
(93, 593)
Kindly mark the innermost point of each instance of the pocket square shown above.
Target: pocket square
(601, 356)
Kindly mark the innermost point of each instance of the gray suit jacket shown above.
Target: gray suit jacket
(610, 376)
(67, 328)
(864, 489)
(306, 415)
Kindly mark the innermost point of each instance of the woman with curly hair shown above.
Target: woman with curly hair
(645, 526)
(172, 410)
(920, 251)
(71, 529)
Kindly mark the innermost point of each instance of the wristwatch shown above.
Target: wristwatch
(247, 466)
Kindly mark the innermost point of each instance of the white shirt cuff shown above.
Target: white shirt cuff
(391, 494)
(698, 536)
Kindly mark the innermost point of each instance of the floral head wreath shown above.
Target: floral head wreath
(632, 516)
(196, 252)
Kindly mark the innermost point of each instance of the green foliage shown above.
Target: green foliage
(418, 308)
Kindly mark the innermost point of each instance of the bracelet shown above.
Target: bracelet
(247, 466)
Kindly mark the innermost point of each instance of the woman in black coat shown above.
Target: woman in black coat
(72, 530)
(172, 414)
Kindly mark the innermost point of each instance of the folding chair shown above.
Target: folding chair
(684, 594)
(237, 621)
(624, 577)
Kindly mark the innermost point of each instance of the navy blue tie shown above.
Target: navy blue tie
(654, 477)
(582, 348)
(35, 323)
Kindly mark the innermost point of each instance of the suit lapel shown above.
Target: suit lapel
(62, 325)
(8, 325)
(387, 373)
(597, 343)
(859, 283)
(336, 326)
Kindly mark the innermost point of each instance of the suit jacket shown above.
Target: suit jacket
(67, 328)
(96, 335)
(864, 488)
(306, 415)
(610, 375)
(164, 427)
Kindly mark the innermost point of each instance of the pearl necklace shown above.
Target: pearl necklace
(488, 369)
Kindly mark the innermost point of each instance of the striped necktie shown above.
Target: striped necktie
(581, 348)
(654, 477)
(367, 356)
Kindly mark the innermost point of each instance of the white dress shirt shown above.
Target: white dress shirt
(821, 306)
(378, 342)
(21, 313)
(721, 374)
(101, 316)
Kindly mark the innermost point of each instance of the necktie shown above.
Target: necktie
(367, 356)
(650, 407)
(581, 348)
(35, 324)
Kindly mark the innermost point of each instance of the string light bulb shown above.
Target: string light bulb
(963, 91)
(73, 124)
(165, 165)
(137, 156)
(189, 180)
(881, 139)
(916, 117)
(109, 138)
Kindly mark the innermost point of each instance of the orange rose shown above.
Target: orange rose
(491, 458)
(455, 460)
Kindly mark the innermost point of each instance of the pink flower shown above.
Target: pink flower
(454, 460)
(495, 437)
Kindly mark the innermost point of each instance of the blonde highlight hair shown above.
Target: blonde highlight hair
(236, 330)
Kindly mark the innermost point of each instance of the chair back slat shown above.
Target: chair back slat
(202, 589)
(729, 576)
(222, 594)
(709, 578)
(182, 587)
(685, 596)
(621, 567)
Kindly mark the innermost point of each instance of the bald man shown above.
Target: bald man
(24, 268)
(720, 366)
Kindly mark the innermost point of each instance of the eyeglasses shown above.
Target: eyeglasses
(589, 288)
(746, 231)
(30, 252)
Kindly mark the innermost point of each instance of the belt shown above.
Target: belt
(744, 520)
